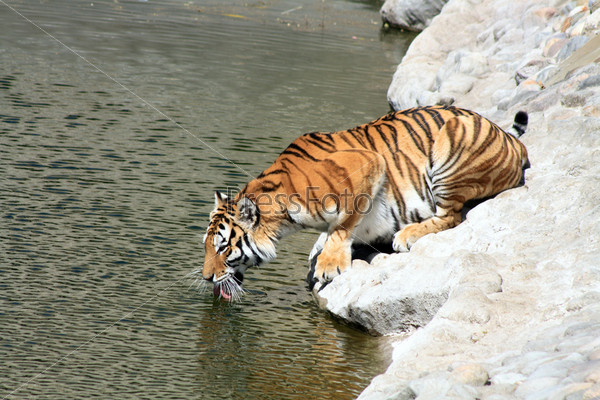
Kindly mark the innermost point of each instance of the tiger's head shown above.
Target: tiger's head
(233, 242)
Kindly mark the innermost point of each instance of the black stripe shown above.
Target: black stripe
(409, 112)
(455, 111)
(396, 220)
(326, 179)
(396, 191)
(319, 144)
(492, 135)
(455, 153)
(291, 181)
(275, 171)
(318, 139)
(416, 138)
(348, 141)
(270, 186)
(428, 195)
(395, 157)
(294, 149)
(476, 129)
(435, 115)
(249, 245)
(384, 137)
(411, 167)
(394, 131)
(390, 116)
(369, 137)
(357, 137)
(419, 119)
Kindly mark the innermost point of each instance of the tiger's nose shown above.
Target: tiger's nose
(212, 276)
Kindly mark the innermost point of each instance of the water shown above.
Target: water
(111, 145)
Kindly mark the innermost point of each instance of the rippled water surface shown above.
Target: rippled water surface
(118, 120)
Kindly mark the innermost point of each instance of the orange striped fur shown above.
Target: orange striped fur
(395, 180)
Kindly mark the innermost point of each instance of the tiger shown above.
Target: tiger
(392, 180)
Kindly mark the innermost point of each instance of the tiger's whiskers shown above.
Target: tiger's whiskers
(197, 282)
(229, 285)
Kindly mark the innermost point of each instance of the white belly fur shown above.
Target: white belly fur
(379, 225)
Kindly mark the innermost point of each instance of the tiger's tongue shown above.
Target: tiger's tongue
(218, 290)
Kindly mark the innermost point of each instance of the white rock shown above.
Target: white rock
(466, 304)
(458, 84)
(558, 368)
(570, 391)
(412, 15)
(592, 393)
(409, 295)
(539, 388)
(510, 378)
(470, 374)
(434, 384)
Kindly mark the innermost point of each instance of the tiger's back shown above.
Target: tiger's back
(434, 156)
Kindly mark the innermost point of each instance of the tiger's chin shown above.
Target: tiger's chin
(229, 288)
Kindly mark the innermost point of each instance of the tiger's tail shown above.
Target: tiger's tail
(519, 125)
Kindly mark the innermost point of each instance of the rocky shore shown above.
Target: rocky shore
(507, 304)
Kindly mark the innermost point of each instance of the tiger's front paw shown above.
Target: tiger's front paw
(331, 265)
(404, 239)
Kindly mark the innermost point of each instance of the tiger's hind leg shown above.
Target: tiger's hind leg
(406, 237)
(455, 176)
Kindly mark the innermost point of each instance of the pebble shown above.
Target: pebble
(574, 100)
(570, 392)
(455, 309)
(592, 393)
(553, 46)
(570, 47)
(594, 355)
(586, 372)
(434, 383)
(590, 82)
(538, 388)
(510, 378)
(470, 374)
(558, 368)
(546, 12)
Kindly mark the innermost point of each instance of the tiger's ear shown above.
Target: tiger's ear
(248, 213)
(220, 198)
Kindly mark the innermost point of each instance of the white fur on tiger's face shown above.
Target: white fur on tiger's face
(393, 180)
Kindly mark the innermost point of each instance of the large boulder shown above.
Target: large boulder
(412, 15)
(402, 292)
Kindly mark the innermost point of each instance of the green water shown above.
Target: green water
(118, 120)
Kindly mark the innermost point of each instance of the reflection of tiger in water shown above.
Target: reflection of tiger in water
(394, 180)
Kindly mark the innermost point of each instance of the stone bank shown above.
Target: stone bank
(507, 304)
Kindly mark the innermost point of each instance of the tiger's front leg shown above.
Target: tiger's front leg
(353, 178)
(335, 257)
